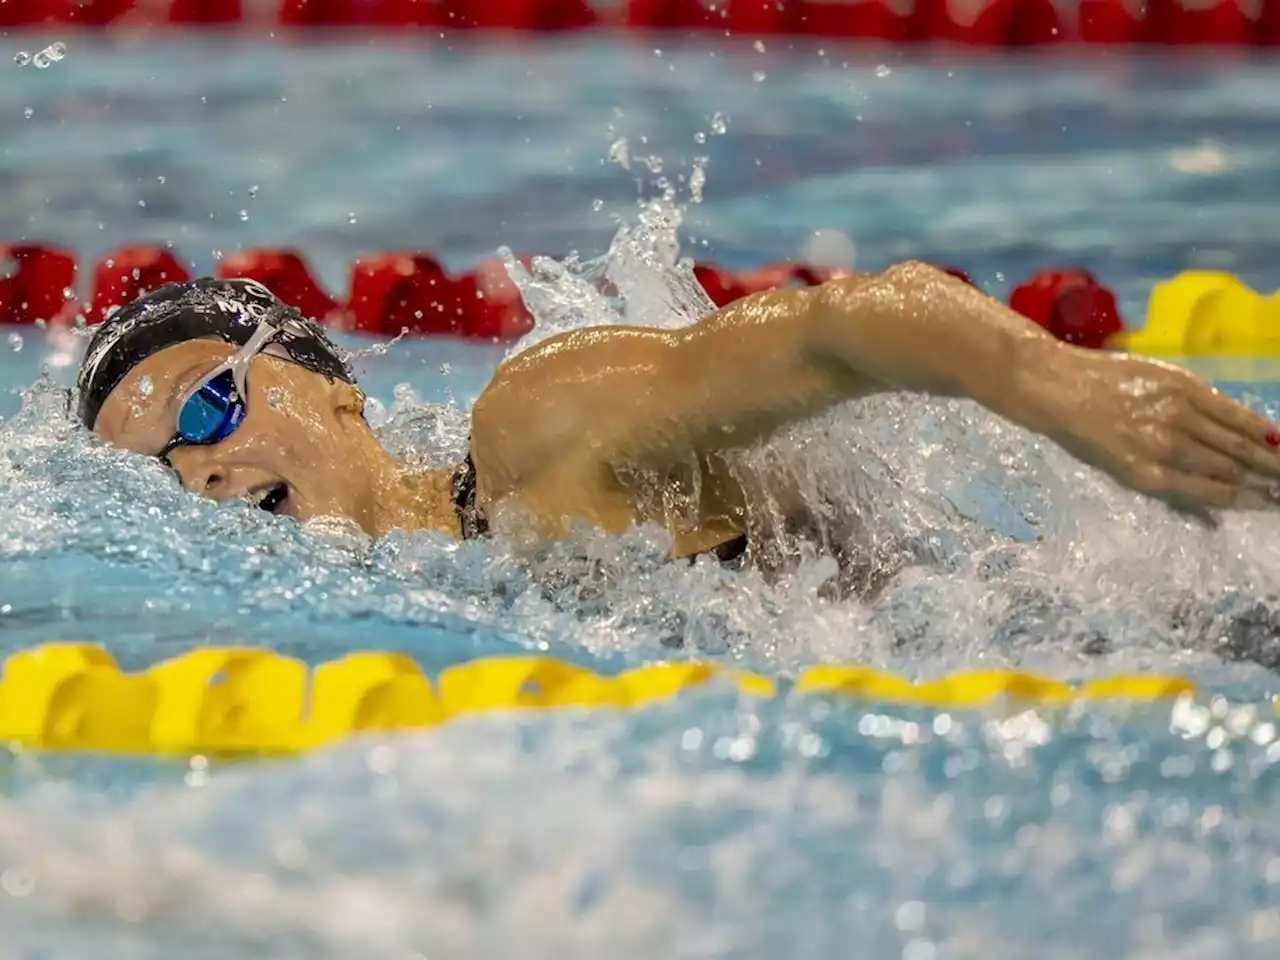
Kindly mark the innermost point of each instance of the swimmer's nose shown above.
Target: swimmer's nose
(202, 473)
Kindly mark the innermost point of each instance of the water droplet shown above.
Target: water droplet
(56, 51)
(758, 76)
(883, 71)
(274, 396)
(597, 204)
(830, 249)
(697, 180)
(22, 58)
(759, 46)
(351, 218)
(244, 215)
(41, 60)
(145, 386)
(28, 113)
(15, 342)
(699, 137)
(620, 154)
(719, 123)
(253, 191)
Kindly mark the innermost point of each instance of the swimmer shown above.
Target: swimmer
(609, 426)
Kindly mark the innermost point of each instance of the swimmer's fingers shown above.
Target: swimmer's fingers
(1228, 455)
(1189, 453)
(1195, 494)
(1235, 430)
(1194, 472)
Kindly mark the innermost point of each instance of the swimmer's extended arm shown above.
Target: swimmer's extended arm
(650, 398)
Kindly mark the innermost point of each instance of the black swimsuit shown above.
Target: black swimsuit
(474, 523)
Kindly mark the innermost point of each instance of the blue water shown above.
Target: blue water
(711, 827)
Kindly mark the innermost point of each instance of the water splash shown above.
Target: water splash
(968, 538)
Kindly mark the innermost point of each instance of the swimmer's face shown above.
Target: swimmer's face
(301, 432)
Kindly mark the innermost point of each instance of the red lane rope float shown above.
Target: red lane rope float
(411, 292)
(986, 23)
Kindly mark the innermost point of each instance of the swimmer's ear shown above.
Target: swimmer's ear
(350, 399)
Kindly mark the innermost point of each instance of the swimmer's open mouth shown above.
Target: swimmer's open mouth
(274, 499)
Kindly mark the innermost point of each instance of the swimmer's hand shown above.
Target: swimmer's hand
(1156, 428)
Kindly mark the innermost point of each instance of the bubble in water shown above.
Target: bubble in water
(719, 123)
(22, 58)
(759, 76)
(655, 164)
(700, 137)
(244, 215)
(351, 218)
(136, 411)
(759, 46)
(253, 191)
(28, 113)
(56, 51)
(145, 386)
(160, 178)
(830, 249)
(17, 882)
(15, 342)
(275, 396)
(41, 60)
(597, 204)
(883, 71)
(620, 153)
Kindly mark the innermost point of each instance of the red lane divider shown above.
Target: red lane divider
(284, 273)
(1071, 305)
(127, 274)
(986, 23)
(409, 291)
(38, 285)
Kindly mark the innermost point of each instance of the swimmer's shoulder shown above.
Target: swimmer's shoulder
(547, 406)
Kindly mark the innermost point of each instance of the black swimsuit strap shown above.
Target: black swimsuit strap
(470, 517)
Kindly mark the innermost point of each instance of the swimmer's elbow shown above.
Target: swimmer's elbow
(850, 320)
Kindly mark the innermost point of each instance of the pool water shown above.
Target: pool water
(712, 826)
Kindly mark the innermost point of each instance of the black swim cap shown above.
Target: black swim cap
(207, 308)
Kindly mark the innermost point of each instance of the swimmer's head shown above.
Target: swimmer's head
(243, 396)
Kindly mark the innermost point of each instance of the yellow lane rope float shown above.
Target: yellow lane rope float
(1206, 313)
(247, 701)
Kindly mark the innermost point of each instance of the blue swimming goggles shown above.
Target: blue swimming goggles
(213, 409)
